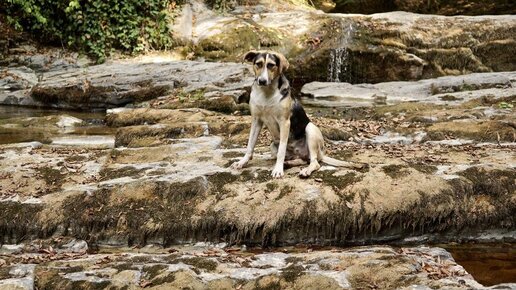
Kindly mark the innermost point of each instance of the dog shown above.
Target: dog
(296, 140)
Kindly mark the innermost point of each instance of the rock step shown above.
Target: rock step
(150, 204)
(443, 90)
(119, 83)
(205, 267)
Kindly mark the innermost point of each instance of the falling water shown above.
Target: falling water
(339, 66)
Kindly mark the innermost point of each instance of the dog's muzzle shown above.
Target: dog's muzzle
(262, 82)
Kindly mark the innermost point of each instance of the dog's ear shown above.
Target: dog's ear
(250, 56)
(283, 62)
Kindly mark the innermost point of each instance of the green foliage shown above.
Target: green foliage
(94, 26)
(221, 5)
(505, 105)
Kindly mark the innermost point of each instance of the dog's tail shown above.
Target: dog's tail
(339, 163)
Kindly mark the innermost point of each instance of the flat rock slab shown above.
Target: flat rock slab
(182, 191)
(120, 82)
(443, 90)
(213, 267)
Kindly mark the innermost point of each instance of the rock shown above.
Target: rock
(349, 268)
(377, 48)
(75, 246)
(68, 121)
(99, 142)
(443, 90)
(11, 249)
(122, 82)
(20, 277)
(465, 7)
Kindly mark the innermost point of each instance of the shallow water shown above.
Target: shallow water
(93, 124)
(489, 264)
(7, 112)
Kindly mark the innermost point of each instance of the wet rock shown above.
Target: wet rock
(358, 48)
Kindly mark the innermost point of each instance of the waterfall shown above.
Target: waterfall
(339, 64)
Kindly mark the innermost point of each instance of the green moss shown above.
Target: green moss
(231, 154)
(52, 177)
(335, 134)
(113, 173)
(219, 180)
(124, 266)
(129, 136)
(262, 284)
(485, 131)
(326, 267)
(450, 98)
(200, 263)
(236, 41)
(395, 171)
(4, 273)
(19, 221)
(168, 277)
(49, 279)
(425, 168)
(491, 182)
(284, 191)
(291, 273)
(162, 210)
(271, 186)
(153, 271)
(337, 182)
(342, 154)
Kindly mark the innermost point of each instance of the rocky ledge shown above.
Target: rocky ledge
(119, 83)
(436, 172)
(64, 264)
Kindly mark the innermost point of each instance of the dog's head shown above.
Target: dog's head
(267, 65)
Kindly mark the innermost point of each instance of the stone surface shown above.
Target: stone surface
(443, 90)
(167, 181)
(370, 48)
(123, 82)
(209, 267)
(463, 7)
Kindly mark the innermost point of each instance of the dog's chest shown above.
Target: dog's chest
(268, 109)
(266, 105)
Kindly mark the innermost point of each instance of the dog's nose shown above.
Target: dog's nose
(262, 82)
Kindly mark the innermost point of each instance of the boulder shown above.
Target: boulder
(121, 82)
(361, 48)
(443, 90)
(463, 7)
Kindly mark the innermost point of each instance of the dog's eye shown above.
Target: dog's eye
(270, 65)
(259, 65)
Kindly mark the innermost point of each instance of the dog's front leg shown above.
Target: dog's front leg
(256, 126)
(277, 172)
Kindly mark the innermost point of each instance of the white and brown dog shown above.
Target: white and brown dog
(296, 140)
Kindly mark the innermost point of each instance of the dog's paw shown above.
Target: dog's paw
(239, 164)
(277, 172)
(305, 173)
